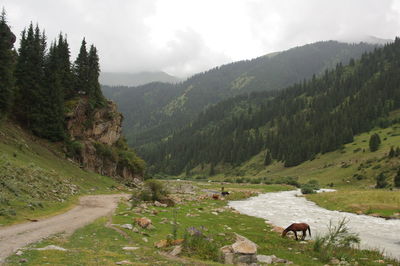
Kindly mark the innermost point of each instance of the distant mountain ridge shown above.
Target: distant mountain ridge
(291, 125)
(135, 79)
(153, 111)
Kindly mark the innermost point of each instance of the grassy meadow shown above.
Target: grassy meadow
(37, 180)
(102, 242)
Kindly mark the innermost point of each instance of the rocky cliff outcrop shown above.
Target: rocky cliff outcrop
(96, 135)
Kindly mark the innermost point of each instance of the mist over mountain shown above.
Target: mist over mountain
(135, 79)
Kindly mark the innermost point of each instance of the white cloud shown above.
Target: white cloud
(187, 36)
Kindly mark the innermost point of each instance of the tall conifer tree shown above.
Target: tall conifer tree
(29, 75)
(81, 70)
(94, 91)
(6, 65)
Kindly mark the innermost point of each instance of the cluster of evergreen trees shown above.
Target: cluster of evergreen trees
(154, 111)
(294, 124)
(36, 81)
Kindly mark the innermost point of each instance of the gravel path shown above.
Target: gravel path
(284, 208)
(89, 209)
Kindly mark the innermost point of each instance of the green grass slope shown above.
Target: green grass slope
(37, 180)
(352, 170)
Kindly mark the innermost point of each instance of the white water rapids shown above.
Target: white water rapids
(284, 208)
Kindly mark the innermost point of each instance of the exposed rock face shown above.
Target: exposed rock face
(91, 128)
(105, 126)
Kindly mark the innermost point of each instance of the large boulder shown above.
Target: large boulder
(143, 222)
(243, 251)
(244, 246)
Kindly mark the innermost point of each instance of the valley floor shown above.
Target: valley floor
(119, 239)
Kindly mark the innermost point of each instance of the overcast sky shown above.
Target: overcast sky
(183, 37)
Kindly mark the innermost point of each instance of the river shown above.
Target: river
(285, 208)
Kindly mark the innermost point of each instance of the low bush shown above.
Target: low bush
(336, 243)
(73, 148)
(106, 152)
(152, 190)
(197, 244)
(289, 180)
(310, 187)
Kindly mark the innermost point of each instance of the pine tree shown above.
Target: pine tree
(268, 158)
(381, 181)
(52, 126)
(29, 73)
(6, 65)
(81, 70)
(397, 179)
(392, 152)
(94, 89)
(374, 142)
(66, 77)
(397, 151)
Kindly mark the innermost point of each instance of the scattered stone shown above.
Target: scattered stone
(277, 229)
(247, 259)
(229, 258)
(243, 245)
(176, 251)
(135, 230)
(124, 262)
(23, 260)
(127, 226)
(19, 253)
(129, 248)
(161, 244)
(145, 239)
(334, 261)
(151, 227)
(221, 234)
(215, 213)
(159, 204)
(264, 259)
(303, 242)
(52, 247)
(177, 241)
(143, 222)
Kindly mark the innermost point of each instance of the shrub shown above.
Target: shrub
(306, 189)
(255, 181)
(197, 244)
(397, 179)
(381, 181)
(374, 142)
(130, 160)
(310, 187)
(289, 180)
(74, 148)
(152, 190)
(106, 152)
(337, 241)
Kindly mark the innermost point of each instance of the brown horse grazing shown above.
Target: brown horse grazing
(297, 227)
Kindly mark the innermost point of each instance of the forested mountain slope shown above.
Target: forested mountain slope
(292, 125)
(155, 110)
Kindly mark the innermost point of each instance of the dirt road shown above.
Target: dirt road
(89, 209)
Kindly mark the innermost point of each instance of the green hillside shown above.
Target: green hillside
(37, 179)
(294, 125)
(153, 111)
